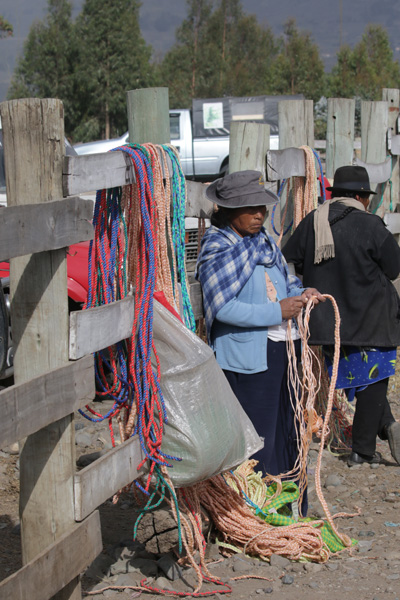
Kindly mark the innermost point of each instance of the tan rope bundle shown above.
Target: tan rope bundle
(305, 189)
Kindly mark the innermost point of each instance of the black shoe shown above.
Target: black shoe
(357, 459)
(393, 436)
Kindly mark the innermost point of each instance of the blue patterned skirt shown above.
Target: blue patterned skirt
(359, 367)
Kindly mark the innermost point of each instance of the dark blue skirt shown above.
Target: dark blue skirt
(265, 399)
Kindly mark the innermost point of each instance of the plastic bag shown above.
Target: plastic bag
(207, 427)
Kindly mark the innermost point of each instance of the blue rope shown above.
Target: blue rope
(273, 213)
(178, 234)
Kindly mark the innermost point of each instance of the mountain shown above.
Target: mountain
(330, 22)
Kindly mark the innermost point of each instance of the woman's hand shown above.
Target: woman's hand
(314, 294)
(291, 307)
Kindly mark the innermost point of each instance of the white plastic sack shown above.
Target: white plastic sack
(207, 426)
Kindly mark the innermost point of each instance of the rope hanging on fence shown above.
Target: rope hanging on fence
(130, 252)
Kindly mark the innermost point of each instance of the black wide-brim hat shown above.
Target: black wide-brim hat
(243, 188)
(351, 179)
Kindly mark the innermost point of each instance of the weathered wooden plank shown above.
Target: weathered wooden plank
(248, 145)
(197, 205)
(393, 143)
(96, 172)
(33, 133)
(196, 299)
(339, 134)
(148, 115)
(296, 123)
(374, 125)
(104, 477)
(57, 565)
(97, 328)
(92, 172)
(377, 173)
(29, 406)
(392, 191)
(392, 221)
(282, 164)
(48, 226)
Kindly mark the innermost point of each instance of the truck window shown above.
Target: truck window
(174, 126)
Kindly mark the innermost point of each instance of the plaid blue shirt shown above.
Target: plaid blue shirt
(226, 262)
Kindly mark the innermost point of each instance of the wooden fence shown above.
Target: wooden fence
(54, 372)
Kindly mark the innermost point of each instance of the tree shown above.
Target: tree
(218, 52)
(365, 70)
(6, 29)
(298, 68)
(186, 66)
(113, 59)
(46, 67)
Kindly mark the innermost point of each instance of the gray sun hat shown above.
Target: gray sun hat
(243, 188)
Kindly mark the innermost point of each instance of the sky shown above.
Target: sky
(330, 22)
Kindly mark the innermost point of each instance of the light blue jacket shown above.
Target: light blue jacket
(240, 329)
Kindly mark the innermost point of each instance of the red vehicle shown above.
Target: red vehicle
(77, 273)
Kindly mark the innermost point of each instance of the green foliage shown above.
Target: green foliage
(113, 58)
(220, 51)
(298, 68)
(6, 29)
(46, 67)
(365, 70)
(89, 64)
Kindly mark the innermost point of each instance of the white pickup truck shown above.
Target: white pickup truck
(201, 134)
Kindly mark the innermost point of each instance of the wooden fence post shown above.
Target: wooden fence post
(248, 145)
(374, 125)
(296, 128)
(339, 134)
(33, 132)
(296, 123)
(392, 192)
(148, 116)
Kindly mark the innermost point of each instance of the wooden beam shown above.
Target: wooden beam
(48, 226)
(296, 123)
(97, 328)
(248, 145)
(282, 164)
(377, 173)
(392, 221)
(96, 172)
(197, 205)
(29, 406)
(92, 172)
(339, 134)
(57, 565)
(33, 133)
(106, 476)
(148, 116)
(392, 191)
(374, 125)
(196, 299)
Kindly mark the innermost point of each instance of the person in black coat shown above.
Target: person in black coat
(344, 251)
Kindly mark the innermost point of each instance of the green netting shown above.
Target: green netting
(278, 513)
